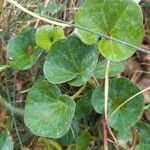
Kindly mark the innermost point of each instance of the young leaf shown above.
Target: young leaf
(22, 51)
(143, 131)
(48, 113)
(115, 69)
(121, 105)
(70, 60)
(47, 35)
(6, 142)
(120, 19)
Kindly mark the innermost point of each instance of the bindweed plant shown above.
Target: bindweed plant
(90, 59)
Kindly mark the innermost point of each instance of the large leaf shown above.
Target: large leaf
(143, 131)
(47, 35)
(48, 113)
(6, 142)
(120, 106)
(115, 69)
(22, 52)
(120, 19)
(70, 59)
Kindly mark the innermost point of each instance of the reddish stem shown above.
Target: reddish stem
(134, 139)
(104, 127)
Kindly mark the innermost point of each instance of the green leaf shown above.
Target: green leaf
(143, 131)
(84, 106)
(115, 69)
(22, 51)
(6, 142)
(119, 19)
(47, 35)
(70, 60)
(83, 141)
(48, 113)
(71, 135)
(120, 106)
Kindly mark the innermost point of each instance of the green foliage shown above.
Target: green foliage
(47, 35)
(83, 106)
(55, 111)
(22, 51)
(83, 141)
(119, 19)
(70, 60)
(120, 106)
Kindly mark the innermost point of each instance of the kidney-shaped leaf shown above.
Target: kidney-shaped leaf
(70, 60)
(6, 142)
(47, 35)
(123, 109)
(116, 18)
(22, 51)
(48, 113)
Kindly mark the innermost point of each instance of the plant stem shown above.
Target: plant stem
(104, 127)
(134, 139)
(79, 92)
(106, 89)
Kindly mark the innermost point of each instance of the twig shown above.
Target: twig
(134, 139)
(104, 127)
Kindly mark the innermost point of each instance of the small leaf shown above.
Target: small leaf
(120, 106)
(70, 60)
(84, 106)
(48, 113)
(83, 141)
(22, 51)
(120, 19)
(47, 35)
(115, 69)
(143, 132)
(6, 142)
